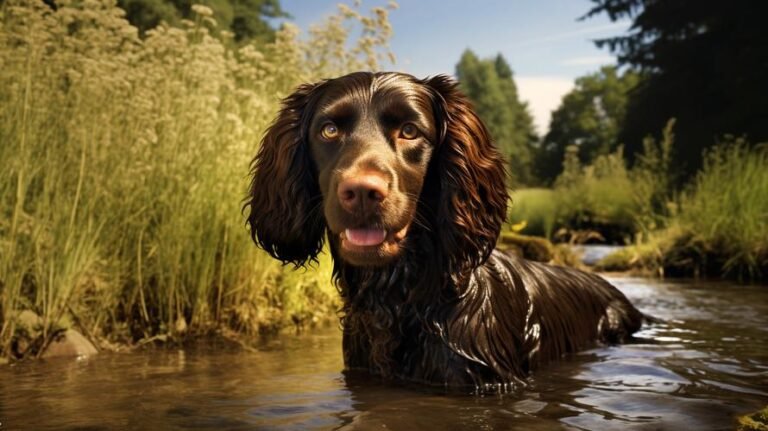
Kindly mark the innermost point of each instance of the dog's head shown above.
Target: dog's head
(373, 158)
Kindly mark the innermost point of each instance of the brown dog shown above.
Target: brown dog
(403, 178)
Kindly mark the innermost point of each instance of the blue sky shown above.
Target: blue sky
(543, 40)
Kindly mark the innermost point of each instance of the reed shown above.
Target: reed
(124, 162)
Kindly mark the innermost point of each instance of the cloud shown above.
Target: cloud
(593, 60)
(620, 26)
(543, 94)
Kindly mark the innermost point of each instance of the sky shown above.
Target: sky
(543, 40)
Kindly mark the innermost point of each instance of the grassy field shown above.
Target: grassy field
(124, 165)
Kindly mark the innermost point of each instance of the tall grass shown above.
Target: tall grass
(596, 197)
(725, 214)
(123, 166)
(719, 225)
(534, 209)
(605, 197)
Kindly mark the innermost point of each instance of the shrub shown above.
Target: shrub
(721, 226)
(537, 208)
(726, 210)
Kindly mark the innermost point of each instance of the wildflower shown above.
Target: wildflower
(202, 10)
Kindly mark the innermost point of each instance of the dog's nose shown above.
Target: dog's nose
(362, 192)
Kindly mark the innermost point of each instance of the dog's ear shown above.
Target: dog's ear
(284, 211)
(473, 195)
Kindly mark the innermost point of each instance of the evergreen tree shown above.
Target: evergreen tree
(706, 63)
(491, 87)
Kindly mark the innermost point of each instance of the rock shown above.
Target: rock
(528, 247)
(69, 343)
(28, 328)
(181, 325)
(29, 321)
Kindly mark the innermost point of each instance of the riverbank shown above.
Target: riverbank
(715, 226)
(124, 164)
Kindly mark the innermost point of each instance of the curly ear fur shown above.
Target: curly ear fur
(285, 215)
(473, 194)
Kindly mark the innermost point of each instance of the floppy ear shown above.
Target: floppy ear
(473, 194)
(285, 215)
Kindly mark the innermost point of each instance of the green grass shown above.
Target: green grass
(537, 207)
(716, 226)
(123, 168)
(726, 212)
(598, 198)
(721, 226)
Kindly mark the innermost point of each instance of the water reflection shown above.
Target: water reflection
(706, 364)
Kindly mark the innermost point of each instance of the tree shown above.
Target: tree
(706, 63)
(491, 87)
(590, 117)
(246, 19)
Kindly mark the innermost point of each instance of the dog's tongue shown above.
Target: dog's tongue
(366, 237)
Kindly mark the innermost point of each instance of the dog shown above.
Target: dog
(401, 178)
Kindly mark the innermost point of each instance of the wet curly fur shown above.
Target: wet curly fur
(446, 309)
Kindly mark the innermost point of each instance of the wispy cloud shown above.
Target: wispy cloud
(614, 26)
(592, 60)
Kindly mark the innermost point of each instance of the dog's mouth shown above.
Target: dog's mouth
(371, 246)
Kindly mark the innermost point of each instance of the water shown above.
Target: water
(592, 253)
(708, 364)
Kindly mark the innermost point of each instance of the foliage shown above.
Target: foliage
(124, 165)
(537, 208)
(597, 197)
(721, 226)
(491, 87)
(757, 421)
(245, 19)
(590, 117)
(653, 181)
(705, 63)
(727, 209)
(604, 197)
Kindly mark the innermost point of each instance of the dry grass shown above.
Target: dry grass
(124, 164)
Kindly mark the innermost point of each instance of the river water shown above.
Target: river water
(706, 365)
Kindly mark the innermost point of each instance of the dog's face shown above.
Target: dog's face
(369, 159)
(371, 142)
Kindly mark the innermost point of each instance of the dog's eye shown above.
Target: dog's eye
(409, 131)
(329, 131)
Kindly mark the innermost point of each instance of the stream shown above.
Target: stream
(707, 364)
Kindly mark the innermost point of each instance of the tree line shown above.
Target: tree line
(702, 63)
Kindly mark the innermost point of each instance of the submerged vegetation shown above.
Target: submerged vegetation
(123, 169)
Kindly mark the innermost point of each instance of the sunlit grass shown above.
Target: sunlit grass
(726, 212)
(721, 226)
(123, 168)
(537, 207)
(596, 197)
